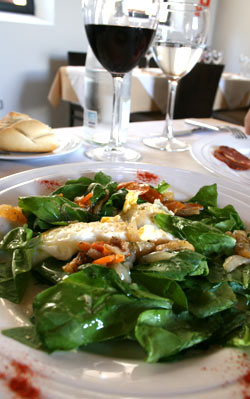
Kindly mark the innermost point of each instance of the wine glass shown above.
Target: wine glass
(243, 59)
(207, 56)
(119, 33)
(217, 57)
(178, 46)
(148, 57)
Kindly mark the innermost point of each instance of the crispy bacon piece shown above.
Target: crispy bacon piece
(150, 194)
(72, 266)
(183, 209)
(131, 186)
(189, 209)
(233, 158)
(242, 246)
(146, 192)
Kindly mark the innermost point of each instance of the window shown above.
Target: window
(18, 6)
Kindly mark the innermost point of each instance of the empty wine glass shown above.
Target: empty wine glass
(148, 57)
(207, 56)
(243, 59)
(217, 57)
(178, 46)
(119, 32)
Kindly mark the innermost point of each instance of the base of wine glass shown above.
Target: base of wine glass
(120, 154)
(162, 143)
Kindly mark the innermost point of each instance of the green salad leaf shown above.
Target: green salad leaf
(18, 246)
(182, 264)
(163, 334)
(92, 305)
(205, 239)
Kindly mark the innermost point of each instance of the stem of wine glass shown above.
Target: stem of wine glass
(115, 141)
(172, 86)
(114, 151)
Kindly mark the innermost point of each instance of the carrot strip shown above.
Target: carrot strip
(110, 259)
(84, 246)
(98, 245)
(86, 198)
(106, 251)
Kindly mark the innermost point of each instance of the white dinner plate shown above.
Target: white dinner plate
(118, 370)
(202, 151)
(68, 142)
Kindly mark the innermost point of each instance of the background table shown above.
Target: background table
(233, 92)
(137, 131)
(148, 89)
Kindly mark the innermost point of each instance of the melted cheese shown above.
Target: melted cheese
(138, 221)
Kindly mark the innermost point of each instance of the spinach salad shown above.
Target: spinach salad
(127, 261)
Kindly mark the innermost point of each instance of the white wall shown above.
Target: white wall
(232, 31)
(30, 56)
(31, 53)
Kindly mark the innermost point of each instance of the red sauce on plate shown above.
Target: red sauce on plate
(20, 381)
(147, 177)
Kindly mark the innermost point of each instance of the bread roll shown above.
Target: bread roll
(20, 133)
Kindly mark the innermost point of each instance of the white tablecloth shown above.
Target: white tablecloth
(149, 89)
(137, 131)
(234, 92)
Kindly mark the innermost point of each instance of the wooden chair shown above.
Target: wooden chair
(236, 115)
(196, 91)
(152, 63)
(76, 110)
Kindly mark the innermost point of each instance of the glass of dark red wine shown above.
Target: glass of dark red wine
(119, 33)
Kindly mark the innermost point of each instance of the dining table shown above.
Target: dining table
(116, 372)
(136, 132)
(149, 88)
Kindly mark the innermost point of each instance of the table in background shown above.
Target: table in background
(148, 89)
(137, 131)
(233, 92)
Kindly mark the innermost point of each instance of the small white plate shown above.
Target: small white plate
(202, 151)
(68, 142)
(117, 370)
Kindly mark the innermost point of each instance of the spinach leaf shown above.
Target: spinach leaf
(181, 265)
(240, 338)
(206, 299)
(18, 246)
(225, 219)
(79, 187)
(91, 305)
(162, 187)
(206, 196)
(162, 333)
(102, 178)
(157, 284)
(233, 330)
(73, 189)
(217, 273)
(27, 335)
(53, 210)
(49, 271)
(114, 203)
(206, 239)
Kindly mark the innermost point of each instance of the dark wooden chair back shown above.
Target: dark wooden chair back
(196, 91)
(76, 58)
(152, 63)
(75, 110)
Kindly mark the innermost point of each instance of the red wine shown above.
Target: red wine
(118, 48)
